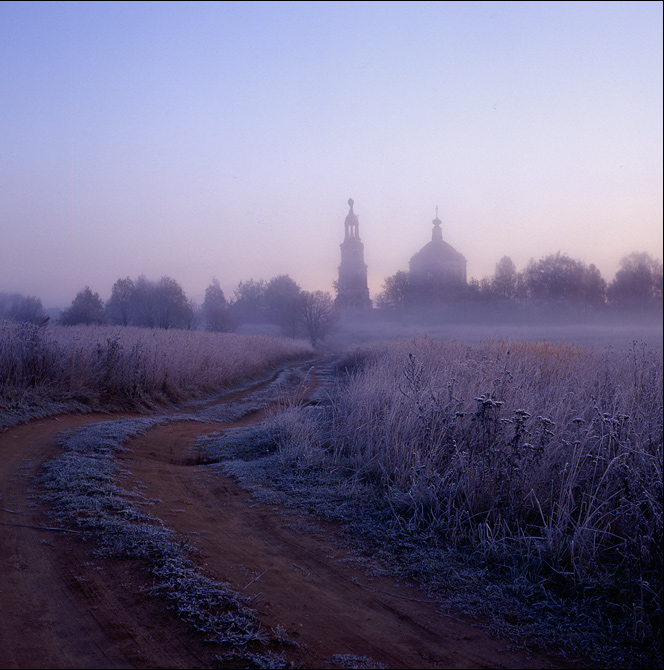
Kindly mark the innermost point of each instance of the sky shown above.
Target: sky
(223, 140)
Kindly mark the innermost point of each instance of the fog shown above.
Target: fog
(223, 139)
(620, 331)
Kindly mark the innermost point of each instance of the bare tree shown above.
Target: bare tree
(317, 315)
(19, 307)
(504, 282)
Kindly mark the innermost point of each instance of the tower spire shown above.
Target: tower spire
(437, 232)
(352, 222)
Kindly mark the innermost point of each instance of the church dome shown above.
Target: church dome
(437, 263)
(437, 251)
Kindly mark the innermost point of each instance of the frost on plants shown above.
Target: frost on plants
(540, 462)
(51, 369)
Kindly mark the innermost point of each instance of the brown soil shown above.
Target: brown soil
(64, 608)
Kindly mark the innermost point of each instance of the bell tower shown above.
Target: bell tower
(352, 290)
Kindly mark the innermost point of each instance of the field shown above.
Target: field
(515, 481)
(541, 463)
(62, 368)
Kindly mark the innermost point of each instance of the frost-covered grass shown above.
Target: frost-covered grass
(53, 369)
(529, 474)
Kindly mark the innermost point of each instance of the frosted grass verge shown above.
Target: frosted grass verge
(285, 382)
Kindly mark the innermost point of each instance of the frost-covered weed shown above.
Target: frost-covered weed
(246, 443)
(296, 432)
(301, 435)
(286, 382)
(353, 661)
(292, 434)
(27, 354)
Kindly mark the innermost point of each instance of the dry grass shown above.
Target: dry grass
(542, 462)
(56, 368)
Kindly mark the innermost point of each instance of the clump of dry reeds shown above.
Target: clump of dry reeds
(49, 369)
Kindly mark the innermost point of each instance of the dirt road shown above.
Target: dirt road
(64, 608)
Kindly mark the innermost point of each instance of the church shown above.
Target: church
(436, 271)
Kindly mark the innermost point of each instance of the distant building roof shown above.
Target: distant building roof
(438, 261)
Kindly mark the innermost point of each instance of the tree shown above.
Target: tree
(479, 290)
(396, 291)
(593, 287)
(19, 307)
(86, 308)
(504, 282)
(558, 277)
(120, 306)
(248, 303)
(142, 308)
(638, 282)
(194, 320)
(215, 309)
(282, 303)
(317, 315)
(161, 304)
(171, 307)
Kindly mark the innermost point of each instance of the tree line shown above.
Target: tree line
(555, 278)
(164, 304)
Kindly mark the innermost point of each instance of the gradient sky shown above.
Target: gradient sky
(201, 140)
